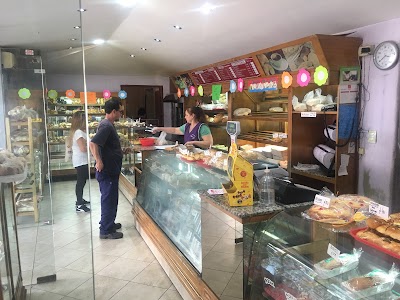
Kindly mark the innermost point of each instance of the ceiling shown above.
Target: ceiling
(233, 28)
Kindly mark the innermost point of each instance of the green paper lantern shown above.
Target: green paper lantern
(320, 75)
(52, 94)
(24, 93)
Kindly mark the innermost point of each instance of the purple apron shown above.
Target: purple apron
(193, 135)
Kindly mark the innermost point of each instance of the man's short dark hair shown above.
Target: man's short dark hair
(113, 103)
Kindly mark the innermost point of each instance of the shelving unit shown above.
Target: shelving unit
(28, 188)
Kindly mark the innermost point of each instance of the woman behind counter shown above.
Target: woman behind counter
(195, 132)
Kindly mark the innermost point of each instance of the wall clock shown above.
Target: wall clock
(386, 55)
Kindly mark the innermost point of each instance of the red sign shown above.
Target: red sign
(29, 52)
(238, 69)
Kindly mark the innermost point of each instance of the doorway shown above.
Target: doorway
(144, 101)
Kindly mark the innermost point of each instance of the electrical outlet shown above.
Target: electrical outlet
(372, 136)
(361, 151)
(351, 148)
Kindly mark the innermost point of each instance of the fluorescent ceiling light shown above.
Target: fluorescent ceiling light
(177, 27)
(98, 42)
(144, 49)
(82, 9)
(132, 55)
(70, 48)
(158, 40)
(207, 8)
(73, 39)
(127, 2)
(77, 27)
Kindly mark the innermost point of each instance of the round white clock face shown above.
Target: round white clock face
(386, 55)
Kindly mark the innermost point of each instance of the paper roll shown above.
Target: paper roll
(332, 132)
(324, 155)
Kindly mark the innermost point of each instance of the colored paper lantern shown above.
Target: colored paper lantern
(70, 93)
(240, 85)
(52, 94)
(179, 93)
(192, 90)
(24, 93)
(232, 86)
(321, 75)
(106, 94)
(303, 77)
(200, 90)
(287, 80)
(186, 92)
(122, 94)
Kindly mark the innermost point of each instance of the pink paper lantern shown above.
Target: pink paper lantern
(240, 85)
(106, 94)
(303, 77)
(192, 90)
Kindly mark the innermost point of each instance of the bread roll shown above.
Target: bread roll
(382, 229)
(394, 232)
(362, 283)
(374, 222)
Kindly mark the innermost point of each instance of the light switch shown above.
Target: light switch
(372, 136)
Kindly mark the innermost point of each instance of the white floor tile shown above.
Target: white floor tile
(153, 275)
(171, 295)
(124, 268)
(137, 291)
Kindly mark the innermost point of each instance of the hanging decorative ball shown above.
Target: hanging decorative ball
(186, 92)
(24, 93)
(70, 93)
(106, 94)
(232, 86)
(179, 93)
(287, 80)
(52, 94)
(321, 75)
(192, 90)
(303, 77)
(122, 94)
(240, 84)
(200, 90)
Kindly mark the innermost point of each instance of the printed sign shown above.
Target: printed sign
(379, 210)
(333, 252)
(322, 201)
(263, 84)
(308, 114)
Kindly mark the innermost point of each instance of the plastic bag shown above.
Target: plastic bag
(161, 139)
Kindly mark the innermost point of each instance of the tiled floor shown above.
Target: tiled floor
(124, 269)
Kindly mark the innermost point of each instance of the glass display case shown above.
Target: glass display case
(168, 193)
(289, 260)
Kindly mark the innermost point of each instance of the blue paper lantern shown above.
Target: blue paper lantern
(122, 94)
(232, 86)
(186, 92)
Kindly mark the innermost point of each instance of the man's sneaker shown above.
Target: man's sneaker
(112, 236)
(82, 208)
(117, 226)
(85, 202)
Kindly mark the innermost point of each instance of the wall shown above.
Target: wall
(97, 83)
(379, 167)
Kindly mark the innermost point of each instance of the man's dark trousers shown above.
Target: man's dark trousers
(109, 201)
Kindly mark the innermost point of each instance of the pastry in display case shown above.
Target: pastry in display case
(293, 257)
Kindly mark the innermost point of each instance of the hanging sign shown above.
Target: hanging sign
(232, 86)
(24, 93)
(186, 92)
(287, 80)
(320, 75)
(240, 85)
(106, 94)
(122, 94)
(52, 94)
(192, 90)
(216, 91)
(303, 77)
(263, 84)
(179, 93)
(70, 93)
(200, 90)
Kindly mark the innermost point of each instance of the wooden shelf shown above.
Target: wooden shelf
(217, 125)
(316, 174)
(53, 129)
(74, 105)
(215, 111)
(318, 112)
(70, 115)
(272, 117)
(262, 137)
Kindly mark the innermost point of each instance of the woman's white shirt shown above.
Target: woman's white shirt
(79, 158)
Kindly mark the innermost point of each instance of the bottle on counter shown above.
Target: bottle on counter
(266, 188)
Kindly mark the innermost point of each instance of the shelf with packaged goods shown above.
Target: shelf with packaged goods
(317, 174)
(268, 117)
(29, 155)
(317, 112)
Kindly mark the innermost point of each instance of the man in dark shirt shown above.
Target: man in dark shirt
(106, 149)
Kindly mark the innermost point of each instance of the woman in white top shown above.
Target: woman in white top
(79, 158)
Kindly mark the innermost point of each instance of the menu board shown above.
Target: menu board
(242, 68)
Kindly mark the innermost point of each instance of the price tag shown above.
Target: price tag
(275, 135)
(269, 281)
(207, 152)
(218, 154)
(215, 191)
(333, 252)
(379, 210)
(290, 296)
(282, 135)
(169, 192)
(308, 114)
(322, 201)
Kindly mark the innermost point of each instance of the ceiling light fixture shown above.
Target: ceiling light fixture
(158, 40)
(82, 9)
(177, 27)
(144, 49)
(127, 2)
(98, 42)
(73, 39)
(70, 48)
(132, 55)
(77, 27)
(207, 8)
